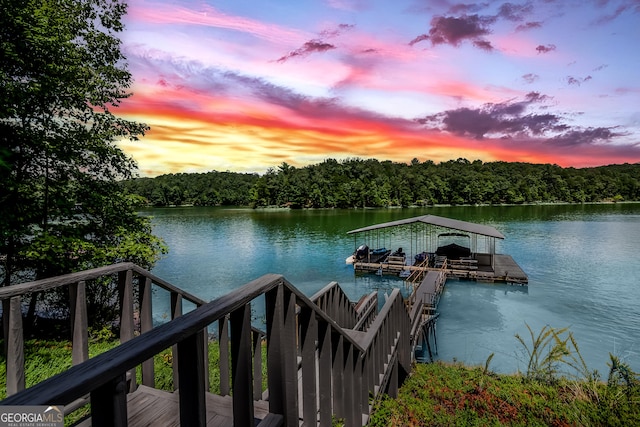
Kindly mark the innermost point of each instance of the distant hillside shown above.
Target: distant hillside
(373, 183)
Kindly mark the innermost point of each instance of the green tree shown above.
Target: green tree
(62, 208)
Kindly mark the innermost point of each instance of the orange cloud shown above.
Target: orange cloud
(195, 131)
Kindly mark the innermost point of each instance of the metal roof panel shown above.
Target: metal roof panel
(455, 224)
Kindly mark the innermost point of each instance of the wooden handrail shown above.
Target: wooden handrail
(362, 364)
(367, 311)
(83, 378)
(369, 336)
(334, 302)
(11, 297)
(94, 273)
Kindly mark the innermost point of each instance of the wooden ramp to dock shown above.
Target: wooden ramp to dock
(424, 301)
(427, 294)
(430, 288)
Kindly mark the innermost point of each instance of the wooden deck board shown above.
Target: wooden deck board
(149, 407)
(429, 284)
(506, 267)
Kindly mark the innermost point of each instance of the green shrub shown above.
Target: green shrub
(440, 394)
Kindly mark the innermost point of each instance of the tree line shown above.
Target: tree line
(358, 182)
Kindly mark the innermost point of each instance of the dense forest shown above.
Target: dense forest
(373, 183)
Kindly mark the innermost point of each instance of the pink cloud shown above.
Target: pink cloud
(517, 45)
(162, 13)
(349, 91)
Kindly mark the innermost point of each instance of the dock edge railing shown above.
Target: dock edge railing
(300, 339)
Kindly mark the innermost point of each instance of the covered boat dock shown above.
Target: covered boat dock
(464, 250)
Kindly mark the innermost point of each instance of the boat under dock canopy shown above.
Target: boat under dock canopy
(465, 250)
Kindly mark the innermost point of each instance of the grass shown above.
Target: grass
(441, 394)
(46, 358)
(163, 369)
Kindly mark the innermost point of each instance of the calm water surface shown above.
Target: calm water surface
(582, 261)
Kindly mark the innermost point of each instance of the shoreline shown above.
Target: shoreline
(439, 205)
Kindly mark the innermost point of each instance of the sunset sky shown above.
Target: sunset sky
(245, 85)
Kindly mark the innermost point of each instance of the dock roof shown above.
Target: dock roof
(455, 224)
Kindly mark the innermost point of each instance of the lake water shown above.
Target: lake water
(582, 261)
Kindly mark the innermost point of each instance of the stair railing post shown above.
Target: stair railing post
(191, 385)
(377, 363)
(358, 408)
(324, 367)
(362, 383)
(308, 338)
(348, 386)
(6, 304)
(282, 353)
(337, 374)
(79, 322)
(256, 339)
(205, 349)
(176, 311)
(404, 351)
(14, 340)
(241, 366)
(146, 324)
(125, 292)
(109, 403)
(223, 360)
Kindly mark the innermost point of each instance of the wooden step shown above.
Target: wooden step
(151, 407)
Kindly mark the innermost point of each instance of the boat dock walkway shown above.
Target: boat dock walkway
(425, 298)
(429, 290)
(504, 270)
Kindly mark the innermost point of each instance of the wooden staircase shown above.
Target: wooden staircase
(326, 357)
